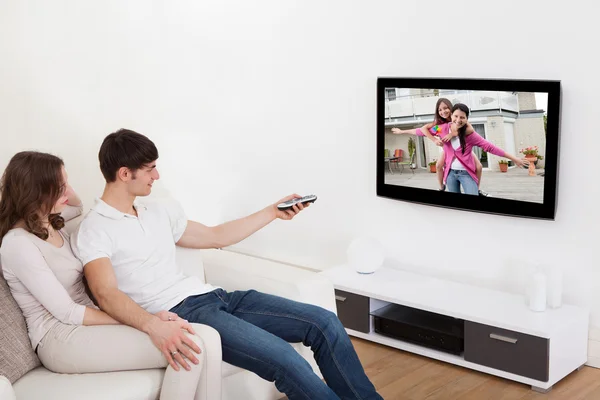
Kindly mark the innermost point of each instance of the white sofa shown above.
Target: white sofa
(227, 269)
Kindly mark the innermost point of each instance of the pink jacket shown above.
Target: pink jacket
(466, 159)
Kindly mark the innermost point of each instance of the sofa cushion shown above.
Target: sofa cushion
(144, 384)
(16, 355)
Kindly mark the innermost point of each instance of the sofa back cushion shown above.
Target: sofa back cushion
(190, 260)
(16, 355)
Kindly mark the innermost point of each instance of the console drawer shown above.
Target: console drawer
(353, 310)
(506, 350)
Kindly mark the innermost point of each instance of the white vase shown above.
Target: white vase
(365, 254)
(537, 292)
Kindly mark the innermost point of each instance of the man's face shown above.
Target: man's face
(142, 179)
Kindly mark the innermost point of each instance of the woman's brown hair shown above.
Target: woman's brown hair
(31, 185)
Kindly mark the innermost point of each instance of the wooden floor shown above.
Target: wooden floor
(398, 375)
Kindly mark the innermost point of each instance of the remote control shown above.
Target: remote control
(311, 198)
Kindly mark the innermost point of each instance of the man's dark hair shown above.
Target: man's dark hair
(125, 148)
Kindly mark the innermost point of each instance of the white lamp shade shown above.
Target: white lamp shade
(365, 254)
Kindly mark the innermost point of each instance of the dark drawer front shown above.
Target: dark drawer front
(353, 310)
(509, 351)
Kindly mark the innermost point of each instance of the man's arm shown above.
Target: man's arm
(198, 236)
(167, 336)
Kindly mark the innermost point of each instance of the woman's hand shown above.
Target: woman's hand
(72, 198)
(397, 131)
(521, 162)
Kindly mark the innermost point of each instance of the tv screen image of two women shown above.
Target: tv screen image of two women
(482, 143)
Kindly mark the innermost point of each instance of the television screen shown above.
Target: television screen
(472, 144)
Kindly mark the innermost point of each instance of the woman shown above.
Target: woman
(458, 147)
(68, 332)
(443, 110)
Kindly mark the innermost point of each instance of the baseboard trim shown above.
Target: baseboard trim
(593, 362)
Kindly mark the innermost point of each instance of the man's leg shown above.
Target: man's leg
(250, 347)
(313, 326)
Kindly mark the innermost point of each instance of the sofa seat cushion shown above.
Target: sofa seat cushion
(16, 355)
(125, 385)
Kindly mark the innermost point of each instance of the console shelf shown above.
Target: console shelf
(547, 346)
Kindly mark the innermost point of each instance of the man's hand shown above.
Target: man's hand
(165, 315)
(170, 339)
(289, 214)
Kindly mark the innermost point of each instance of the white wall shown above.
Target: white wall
(251, 101)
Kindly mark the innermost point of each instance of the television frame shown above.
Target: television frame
(490, 205)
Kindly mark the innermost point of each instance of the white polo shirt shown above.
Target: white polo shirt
(141, 250)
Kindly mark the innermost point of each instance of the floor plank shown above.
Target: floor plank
(399, 375)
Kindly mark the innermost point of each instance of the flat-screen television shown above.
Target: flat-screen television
(484, 145)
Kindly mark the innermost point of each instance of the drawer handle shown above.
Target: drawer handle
(340, 298)
(503, 338)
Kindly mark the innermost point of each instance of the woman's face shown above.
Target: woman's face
(459, 118)
(65, 191)
(444, 111)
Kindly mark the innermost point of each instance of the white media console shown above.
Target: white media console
(502, 336)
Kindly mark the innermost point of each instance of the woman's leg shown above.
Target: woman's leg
(478, 168)
(452, 182)
(468, 183)
(479, 174)
(103, 348)
(439, 170)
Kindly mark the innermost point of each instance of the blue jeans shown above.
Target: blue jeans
(456, 178)
(255, 329)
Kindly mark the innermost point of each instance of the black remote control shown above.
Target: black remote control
(311, 198)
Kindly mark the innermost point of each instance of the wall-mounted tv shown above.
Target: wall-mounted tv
(485, 145)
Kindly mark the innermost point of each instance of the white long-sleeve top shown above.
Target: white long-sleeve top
(46, 281)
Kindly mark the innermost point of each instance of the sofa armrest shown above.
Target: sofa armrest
(6, 390)
(235, 271)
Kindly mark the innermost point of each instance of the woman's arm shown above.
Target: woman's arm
(476, 140)
(520, 162)
(98, 317)
(72, 197)
(24, 260)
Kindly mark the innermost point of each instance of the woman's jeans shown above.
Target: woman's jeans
(255, 329)
(456, 178)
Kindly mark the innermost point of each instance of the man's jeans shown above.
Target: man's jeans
(255, 329)
(456, 178)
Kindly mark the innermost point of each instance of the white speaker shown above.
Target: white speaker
(365, 254)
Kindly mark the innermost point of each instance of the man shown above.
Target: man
(128, 253)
